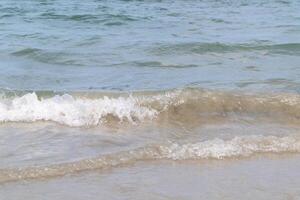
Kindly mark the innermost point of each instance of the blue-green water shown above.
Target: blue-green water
(138, 45)
(149, 99)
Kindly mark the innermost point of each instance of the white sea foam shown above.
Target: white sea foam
(238, 146)
(72, 111)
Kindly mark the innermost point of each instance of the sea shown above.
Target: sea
(150, 99)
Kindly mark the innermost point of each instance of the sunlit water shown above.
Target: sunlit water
(149, 99)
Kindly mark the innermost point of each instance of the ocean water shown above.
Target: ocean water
(152, 99)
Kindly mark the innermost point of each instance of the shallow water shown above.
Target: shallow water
(149, 99)
(237, 179)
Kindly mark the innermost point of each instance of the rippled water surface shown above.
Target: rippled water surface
(137, 45)
(154, 99)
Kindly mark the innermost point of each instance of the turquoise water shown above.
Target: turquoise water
(149, 45)
(149, 99)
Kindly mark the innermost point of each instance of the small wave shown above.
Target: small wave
(91, 18)
(162, 65)
(80, 17)
(212, 149)
(204, 48)
(45, 56)
(90, 109)
(26, 51)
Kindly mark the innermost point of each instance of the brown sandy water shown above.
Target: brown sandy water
(182, 144)
(259, 177)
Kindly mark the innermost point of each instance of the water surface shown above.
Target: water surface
(128, 99)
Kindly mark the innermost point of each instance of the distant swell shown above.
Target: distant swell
(203, 48)
(211, 149)
(92, 109)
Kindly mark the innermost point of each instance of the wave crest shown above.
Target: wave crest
(72, 111)
(184, 105)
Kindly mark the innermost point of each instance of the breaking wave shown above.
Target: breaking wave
(72, 111)
(91, 109)
(212, 149)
